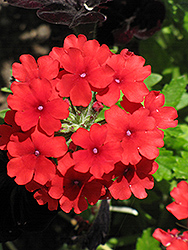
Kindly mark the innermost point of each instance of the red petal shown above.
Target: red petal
(44, 171)
(22, 168)
(48, 67)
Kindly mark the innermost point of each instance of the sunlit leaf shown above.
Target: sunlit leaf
(174, 90)
(147, 242)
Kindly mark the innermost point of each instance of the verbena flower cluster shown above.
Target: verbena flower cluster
(57, 144)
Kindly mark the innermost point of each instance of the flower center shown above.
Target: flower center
(76, 182)
(37, 153)
(128, 133)
(40, 107)
(83, 75)
(95, 150)
(117, 80)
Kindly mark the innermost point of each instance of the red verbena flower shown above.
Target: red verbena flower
(164, 116)
(83, 73)
(29, 157)
(129, 74)
(179, 208)
(29, 69)
(76, 188)
(171, 239)
(133, 179)
(99, 155)
(41, 194)
(34, 107)
(136, 132)
(90, 48)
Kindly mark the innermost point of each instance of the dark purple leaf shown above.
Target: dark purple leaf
(91, 17)
(68, 15)
(29, 4)
(57, 14)
(66, 12)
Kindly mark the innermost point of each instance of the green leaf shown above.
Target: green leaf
(183, 102)
(152, 80)
(181, 169)
(174, 90)
(183, 4)
(6, 90)
(3, 112)
(154, 54)
(147, 242)
(114, 49)
(166, 162)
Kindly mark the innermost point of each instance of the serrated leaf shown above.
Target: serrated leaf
(174, 90)
(152, 80)
(147, 242)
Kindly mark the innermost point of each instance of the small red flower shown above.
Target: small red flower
(29, 69)
(34, 106)
(77, 187)
(171, 239)
(30, 157)
(164, 116)
(97, 106)
(179, 208)
(90, 48)
(99, 155)
(83, 73)
(136, 132)
(129, 74)
(133, 179)
(41, 195)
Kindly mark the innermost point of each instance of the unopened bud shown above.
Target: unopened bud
(97, 106)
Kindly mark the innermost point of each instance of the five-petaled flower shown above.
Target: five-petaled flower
(34, 106)
(136, 132)
(179, 208)
(172, 240)
(29, 157)
(98, 155)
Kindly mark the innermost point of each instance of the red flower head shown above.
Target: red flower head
(99, 155)
(171, 239)
(29, 157)
(133, 179)
(77, 187)
(164, 116)
(179, 208)
(29, 69)
(128, 77)
(34, 106)
(136, 132)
